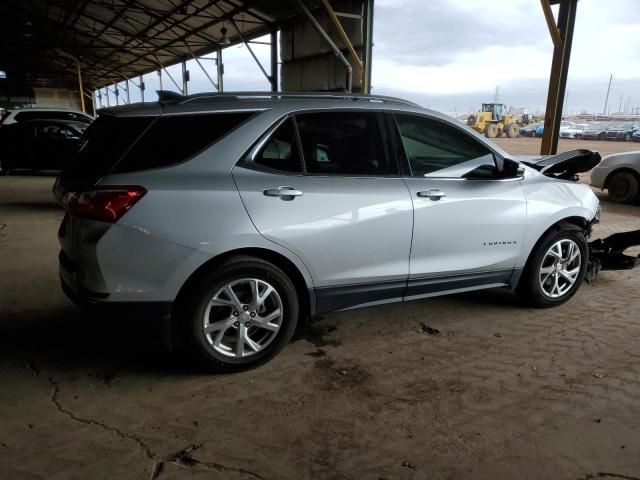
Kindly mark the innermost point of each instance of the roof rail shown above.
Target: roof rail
(353, 97)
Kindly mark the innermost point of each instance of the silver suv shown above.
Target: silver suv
(237, 215)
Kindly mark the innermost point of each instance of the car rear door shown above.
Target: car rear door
(468, 223)
(323, 186)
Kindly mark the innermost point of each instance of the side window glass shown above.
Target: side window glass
(280, 152)
(435, 149)
(342, 143)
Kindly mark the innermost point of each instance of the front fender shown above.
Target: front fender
(549, 202)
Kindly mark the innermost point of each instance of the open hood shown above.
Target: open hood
(564, 165)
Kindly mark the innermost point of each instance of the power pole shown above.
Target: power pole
(496, 95)
(620, 105)
(606, 100)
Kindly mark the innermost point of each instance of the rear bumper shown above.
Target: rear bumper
(98, 303)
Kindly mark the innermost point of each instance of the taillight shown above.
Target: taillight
(106, 203)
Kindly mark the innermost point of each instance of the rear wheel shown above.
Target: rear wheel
(512, 130)
(242, 315)
(601, 136)
(556, 268)
(623, 187)
(491, 131)
(627, 137)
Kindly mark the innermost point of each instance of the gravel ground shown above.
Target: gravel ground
(472, 386)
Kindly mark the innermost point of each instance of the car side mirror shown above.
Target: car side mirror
(511, 169)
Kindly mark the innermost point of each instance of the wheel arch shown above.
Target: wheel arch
(573, 222)
(304, 291)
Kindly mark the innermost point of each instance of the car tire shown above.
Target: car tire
(601, 136)
(512, 131)
(211, 306)
(623, 187)
(627, 137)
(533, 134)
(491, 130)
(548, 281)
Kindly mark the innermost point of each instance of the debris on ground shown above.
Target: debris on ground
(597, 375)
(497, 335)
(429, 330)
(408, 464)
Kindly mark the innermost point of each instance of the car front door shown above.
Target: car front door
(323, 186)
(469, 218)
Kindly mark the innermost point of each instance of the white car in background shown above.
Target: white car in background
(37, 113)
(572, 131)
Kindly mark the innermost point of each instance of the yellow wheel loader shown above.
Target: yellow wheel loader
(493, 121)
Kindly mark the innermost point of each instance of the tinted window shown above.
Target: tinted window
(103, 143)
(280, 152)
(173, 139)
(342, 143)
(436, 149)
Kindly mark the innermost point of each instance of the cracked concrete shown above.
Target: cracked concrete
(55, 392)
(183, 459)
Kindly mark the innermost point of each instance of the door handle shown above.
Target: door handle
(432, 194)
(286, 193)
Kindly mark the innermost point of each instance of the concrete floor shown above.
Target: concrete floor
(502, 392)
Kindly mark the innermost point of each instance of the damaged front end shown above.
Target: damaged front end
(604, 253)
(566, 165)
(608, 253)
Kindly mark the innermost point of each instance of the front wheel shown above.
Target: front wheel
(243, 315)
(623, 187)
(491, 131)
(556, 268)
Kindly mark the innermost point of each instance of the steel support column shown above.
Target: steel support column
(219, 69)
(274, 61)
(80, 86)
(368, 45)
(185, 77)
(141, 87)
(559, 70)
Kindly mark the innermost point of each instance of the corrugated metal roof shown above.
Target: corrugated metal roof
(116, 39)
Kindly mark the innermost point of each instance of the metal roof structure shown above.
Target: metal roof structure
(111, 40)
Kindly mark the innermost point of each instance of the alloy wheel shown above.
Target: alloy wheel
(243, 317)
(560, 268)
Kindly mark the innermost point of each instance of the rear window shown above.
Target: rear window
(174, 139)
(126, 144)
(104, 142)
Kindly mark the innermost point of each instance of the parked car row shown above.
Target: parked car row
(595, 131)
(600, 131)
(40, 138)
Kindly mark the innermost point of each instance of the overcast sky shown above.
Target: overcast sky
(451, 55)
